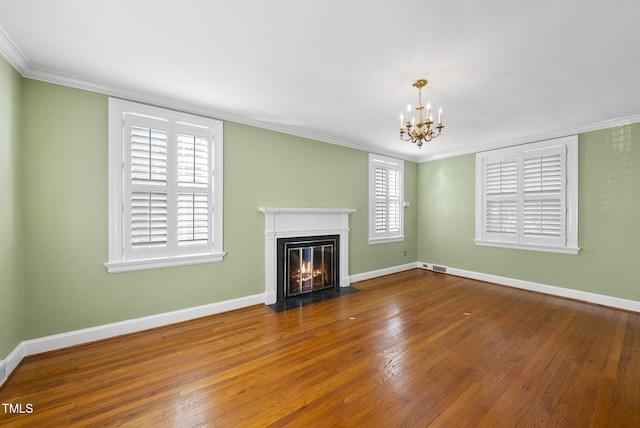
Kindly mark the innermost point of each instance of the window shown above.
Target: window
(165, 188)
(386, 199)
(527, 196)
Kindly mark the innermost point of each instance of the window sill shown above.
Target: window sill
(134, 265)
(515, 246)
(385, 240)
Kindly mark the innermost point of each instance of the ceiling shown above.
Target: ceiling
(340, 71)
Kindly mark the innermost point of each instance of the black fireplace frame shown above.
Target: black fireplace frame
(284, 243)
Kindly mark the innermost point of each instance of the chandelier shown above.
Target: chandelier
(420, 130)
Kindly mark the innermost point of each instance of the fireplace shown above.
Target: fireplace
(307, 264)
(305, 223)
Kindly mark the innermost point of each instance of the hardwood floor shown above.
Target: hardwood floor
(411, 349)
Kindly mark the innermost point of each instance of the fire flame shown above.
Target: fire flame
(306, 267)
(306, 272)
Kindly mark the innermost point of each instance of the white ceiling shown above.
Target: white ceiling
(340, 71)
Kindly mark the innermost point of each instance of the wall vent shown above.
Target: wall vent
(439, 269)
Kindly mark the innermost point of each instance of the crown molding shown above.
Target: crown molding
(12, 54)
(170, 103)
(580, 129)
(16, 58)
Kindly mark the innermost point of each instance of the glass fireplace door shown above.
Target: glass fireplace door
(310, 268)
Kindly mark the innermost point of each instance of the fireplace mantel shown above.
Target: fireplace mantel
(293, 222)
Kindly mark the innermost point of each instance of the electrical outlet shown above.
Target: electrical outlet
(405, 253)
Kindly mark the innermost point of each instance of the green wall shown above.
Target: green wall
(53, 222)
(608, 210)
(10, 209)
(67, 287)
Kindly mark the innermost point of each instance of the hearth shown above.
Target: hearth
(307, 264)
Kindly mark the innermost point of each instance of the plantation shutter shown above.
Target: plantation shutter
(527, 196)
(194, 214)
(386, 198)
(148, 219)
(381, 213)
(394, 200)
(146, 187)
(162, 188)
(501, 198)
(168, 188)
(193, 218)
(544, 205)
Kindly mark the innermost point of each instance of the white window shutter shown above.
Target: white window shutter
(148, 219)
(148, 151)
(193, 160)
(527, 196)
(381, 193)
(544, 205)
(193, 218)
(145, 189)
(195, 184)
(168, 183)
(386, 199)
(162, 188)
(394, 200)
(501, 198)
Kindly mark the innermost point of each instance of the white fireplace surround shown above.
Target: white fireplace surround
(294, 222)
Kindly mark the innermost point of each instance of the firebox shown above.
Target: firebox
(307, 264)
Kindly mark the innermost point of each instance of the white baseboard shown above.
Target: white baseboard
(600, 299)
(9, 364)
(92, 334)
(381, 272)
(3, 371)
(78, 337)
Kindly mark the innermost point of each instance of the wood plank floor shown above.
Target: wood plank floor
(411, 349)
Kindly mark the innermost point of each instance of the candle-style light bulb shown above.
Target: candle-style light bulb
(440, 116)
(401, 120)
(429, 110)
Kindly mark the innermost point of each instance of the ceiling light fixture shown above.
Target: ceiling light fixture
(420, 131)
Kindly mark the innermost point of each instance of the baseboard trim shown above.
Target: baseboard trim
(585, 296)
(9, 364)
(106, 331)
(381, 272)
(3, 371)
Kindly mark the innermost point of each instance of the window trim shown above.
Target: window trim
(380, 238)
(570, 194)
(118, 262)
